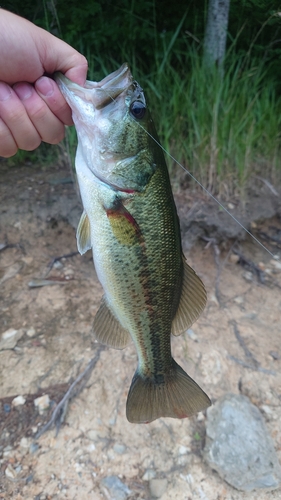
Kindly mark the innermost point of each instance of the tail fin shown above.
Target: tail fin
(178, 397)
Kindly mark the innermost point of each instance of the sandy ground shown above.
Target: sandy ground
(96, 441)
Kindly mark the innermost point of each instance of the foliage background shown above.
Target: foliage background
(224, 132)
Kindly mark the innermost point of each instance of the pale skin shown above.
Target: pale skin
(32, 109)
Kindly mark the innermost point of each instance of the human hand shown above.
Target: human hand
(32, 109)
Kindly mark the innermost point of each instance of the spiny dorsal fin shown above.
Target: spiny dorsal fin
(107, 329)
(83, 234)
(192, 302)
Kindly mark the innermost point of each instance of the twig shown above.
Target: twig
(213, 242)
(60, 257)
(243, 345)
(254, 365)
(60, 410)
(266, 236)
(268, 184)
(245, 262)
(247, 365)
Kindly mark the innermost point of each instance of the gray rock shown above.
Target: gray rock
(157, 487)
(42, 403)
(18, 401)
(117, 489)
(148, 475)
(238, 445)
(119, 448)
(9, 338)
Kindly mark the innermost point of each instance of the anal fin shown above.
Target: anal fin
(192, 302)
(107, 329)
(83, 234)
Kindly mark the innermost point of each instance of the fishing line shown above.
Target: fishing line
(208, 192)
(202, 187)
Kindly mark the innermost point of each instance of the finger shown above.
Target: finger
(50, 93)
(48, 126)
(14, 115)
(8, 146)
(59, 56)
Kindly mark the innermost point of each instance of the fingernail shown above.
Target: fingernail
(45, 86)
(23, 90)
(5, 91)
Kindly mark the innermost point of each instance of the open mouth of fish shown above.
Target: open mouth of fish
(99, 94)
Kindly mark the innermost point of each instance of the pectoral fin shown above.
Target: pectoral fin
(192, 302)
(83, 234)
(107, 329)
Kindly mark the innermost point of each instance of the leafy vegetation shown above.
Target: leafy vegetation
(225, 131)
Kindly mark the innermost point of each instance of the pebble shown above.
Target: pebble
(192, 335)
(239, 447)
(7, 407)
(183, 450)
(234, 258)
(9, 338)
(18, 401)
(58, 264)
(275, 355)
(239, 299)
(42, 403)
(119, 448)
(149, 474)
(117, 489)
(31, 332)
(276, 265)
(10, 472)
(33, 447)
(24, 442)
(248, 276)
(157, 487)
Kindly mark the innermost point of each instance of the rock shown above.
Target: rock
(119, 448)
(234, 258)
(192, 335)
(42, 403)
(9, 339)
(148, 475)
(24, 442)
(238, 445)
(18, 401)
(275, 355)
(157, 487)
(10, 472)
(117, 489)
(248, 276)
(33, 448)
(31, 332)
(7, 408)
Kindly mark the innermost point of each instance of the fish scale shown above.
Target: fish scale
(131, 223)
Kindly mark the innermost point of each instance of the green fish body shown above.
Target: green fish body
(131, 224)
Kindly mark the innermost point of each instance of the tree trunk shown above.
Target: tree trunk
(216, 32)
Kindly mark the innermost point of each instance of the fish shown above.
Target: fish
(131, 224)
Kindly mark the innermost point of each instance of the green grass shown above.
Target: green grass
(225, 131)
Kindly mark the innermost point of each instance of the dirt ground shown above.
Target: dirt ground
(233, 347)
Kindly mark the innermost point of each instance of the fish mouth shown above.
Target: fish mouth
(100, 94)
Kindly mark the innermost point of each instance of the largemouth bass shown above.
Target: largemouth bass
(130, 222)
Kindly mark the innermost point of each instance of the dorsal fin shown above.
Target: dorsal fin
(192, 302)
(107, 329)
(83, 234)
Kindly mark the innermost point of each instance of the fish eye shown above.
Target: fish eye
(138, 109)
